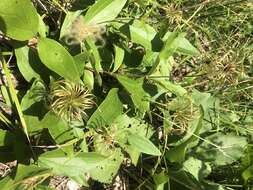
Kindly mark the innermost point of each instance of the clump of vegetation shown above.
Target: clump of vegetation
(127, 94)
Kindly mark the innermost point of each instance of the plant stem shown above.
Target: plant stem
(15, 99)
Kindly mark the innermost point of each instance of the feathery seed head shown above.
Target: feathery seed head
(70, 100)
(79, 31)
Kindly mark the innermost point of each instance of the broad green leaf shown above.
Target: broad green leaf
(29, 64)
(58, 128)
(160, 180)
(143, 144)
(124, 124)
(18, 19)
(80, 61)
(192, 175)
(33, 106)
(106, 170)
(135, 88)
(75, 166)
(107, 111)
(197, 168)
(119, 56)
(204, 99)
(57, 59)
(24, 173)
(104, 11)
(149, 58)
(167, 51)
(222, 149)
(140, 33)
(174, 42)
(167, 85)
(97, 166)
(183, 45)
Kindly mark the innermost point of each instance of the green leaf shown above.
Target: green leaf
(167, 51)
(140, 33)
(160, 180)
(94, 55)
(119, 56)
(104, 11)
(88, 77)
(23, 173)
(197, 168)
(177, 153)
(5, 92)
(222, 149)
(184, 178)
(75, 166)
(29, 64)
(183, 45)
(204, 99)
(8, 183)
(135, 88)
(58, 128)
(247, 173)
(42, 28)
(18, 19)
(57, 59)
(143, 144)
(124, 124)
(107, 111)
(167, 85)
(193, 175)
(33, 105)
(3, 135)
(106, 170)
(80, 61)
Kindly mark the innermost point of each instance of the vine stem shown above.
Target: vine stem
(15, 99)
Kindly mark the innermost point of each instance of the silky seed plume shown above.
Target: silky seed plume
(79, 31)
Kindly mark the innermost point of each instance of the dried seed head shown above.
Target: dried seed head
(183, 113)
(70, 101)
(79, 31)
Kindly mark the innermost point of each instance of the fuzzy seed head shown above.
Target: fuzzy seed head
(80, 31)
(70, 101)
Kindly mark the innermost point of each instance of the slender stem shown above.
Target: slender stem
(15, 99)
